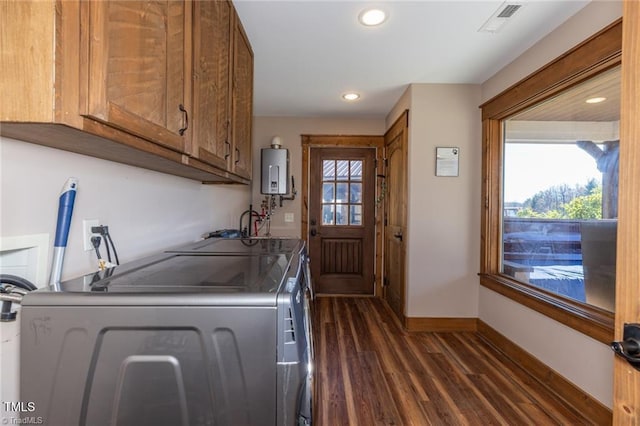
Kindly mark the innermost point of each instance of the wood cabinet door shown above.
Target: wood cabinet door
(134, 71)
(242, 101)
(211, 132)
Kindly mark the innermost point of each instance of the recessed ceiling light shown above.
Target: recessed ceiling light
(351, 96)
(595, 100)
(372, 17)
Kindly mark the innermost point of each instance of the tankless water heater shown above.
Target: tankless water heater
(275, 171)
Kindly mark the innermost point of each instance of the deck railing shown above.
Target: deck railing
(575, 258)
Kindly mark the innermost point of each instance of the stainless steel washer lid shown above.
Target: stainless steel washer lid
(202, 274)
(176, 279)
(244, 246)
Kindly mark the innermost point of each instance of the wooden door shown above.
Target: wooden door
(135, 72)
(242, 101)
(341, 220)
(626, 409)
(211, 132)
(396, 215)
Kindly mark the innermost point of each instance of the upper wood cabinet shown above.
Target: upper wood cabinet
(223, 88)
(145, 83)
(135, 72)
(211, 134)
(242, 101)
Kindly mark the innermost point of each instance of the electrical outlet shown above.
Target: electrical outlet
(288, 217)
(87, 234)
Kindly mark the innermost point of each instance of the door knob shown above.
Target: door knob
(629, 348)
(313, 232)
(398, 235)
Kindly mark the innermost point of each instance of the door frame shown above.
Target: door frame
(346, 141)
(626, 381)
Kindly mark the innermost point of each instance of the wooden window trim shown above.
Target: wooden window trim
(597, 54)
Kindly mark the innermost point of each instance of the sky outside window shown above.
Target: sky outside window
(530, 168)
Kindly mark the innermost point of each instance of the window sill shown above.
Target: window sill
(595, 323)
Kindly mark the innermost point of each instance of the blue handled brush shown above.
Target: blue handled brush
(65, 210)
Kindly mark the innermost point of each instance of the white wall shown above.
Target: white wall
(588, 21)
(290, 130)
(443, 241)
(582, 360)
(403, 104)
(146, 211)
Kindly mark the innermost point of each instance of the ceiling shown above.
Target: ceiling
(570, 105)
(309, 52)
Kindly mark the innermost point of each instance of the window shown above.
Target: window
(342, 192)
(560, 192)
(538, 234)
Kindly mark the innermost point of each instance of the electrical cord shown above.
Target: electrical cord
(95, 241)
(17, 281)
(102, 264)
(106, 244)
(103, 230)
(12, 288)
(115, 253)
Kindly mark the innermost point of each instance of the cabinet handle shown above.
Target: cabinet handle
(237, 156)
(226, 142)
(186, 120)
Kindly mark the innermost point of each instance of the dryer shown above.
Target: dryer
(212, 333)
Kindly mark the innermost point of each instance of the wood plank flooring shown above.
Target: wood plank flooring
(371, 372)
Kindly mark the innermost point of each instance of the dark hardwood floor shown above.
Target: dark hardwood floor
(371, 372)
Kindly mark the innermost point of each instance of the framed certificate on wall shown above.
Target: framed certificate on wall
(447, 163)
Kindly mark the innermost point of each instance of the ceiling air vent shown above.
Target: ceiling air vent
(500, 17)
(509, 10)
